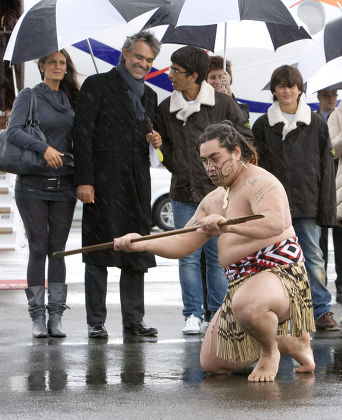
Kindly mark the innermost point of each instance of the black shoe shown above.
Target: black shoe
(97, 331)
(138, 328)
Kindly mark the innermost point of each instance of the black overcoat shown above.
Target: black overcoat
(112, 154)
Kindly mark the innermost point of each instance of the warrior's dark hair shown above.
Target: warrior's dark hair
(229, 138)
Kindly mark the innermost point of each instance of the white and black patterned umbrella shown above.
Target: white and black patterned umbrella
(321, 61)
(251, 23)
(50, 25)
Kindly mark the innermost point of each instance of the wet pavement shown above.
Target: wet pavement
(148, 378)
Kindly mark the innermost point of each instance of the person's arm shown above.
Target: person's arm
(15, 131)
(177, 246)
(87, 109)
(335, 132)
(326, 214)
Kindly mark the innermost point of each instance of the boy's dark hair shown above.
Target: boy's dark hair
(193, 60)
(229, 138)
(288, 76)
(216, 63)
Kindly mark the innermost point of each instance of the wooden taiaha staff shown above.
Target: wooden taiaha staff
(99, 247)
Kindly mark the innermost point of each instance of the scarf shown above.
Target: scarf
(136, 89)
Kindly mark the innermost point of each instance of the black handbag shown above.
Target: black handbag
(17, 160)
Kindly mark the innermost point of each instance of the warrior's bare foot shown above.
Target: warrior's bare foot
(267, 367)
(299, 348)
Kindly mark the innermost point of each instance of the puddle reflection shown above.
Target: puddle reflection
(53, 364)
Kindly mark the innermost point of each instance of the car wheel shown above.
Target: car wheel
(163, 216)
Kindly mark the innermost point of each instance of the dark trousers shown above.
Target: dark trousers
(337, 240)
(131, 294)
(47, 225)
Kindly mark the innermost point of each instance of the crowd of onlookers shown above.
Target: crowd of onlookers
(108, 125)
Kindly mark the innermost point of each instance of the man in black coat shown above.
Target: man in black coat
(112, 175)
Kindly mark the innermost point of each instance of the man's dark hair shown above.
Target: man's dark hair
(288, 76)
(193, 60)
(229, 138)
(216, 63)
(143, 36)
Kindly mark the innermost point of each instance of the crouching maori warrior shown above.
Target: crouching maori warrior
(267, 310)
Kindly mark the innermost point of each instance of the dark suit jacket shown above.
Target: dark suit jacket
(112, 154)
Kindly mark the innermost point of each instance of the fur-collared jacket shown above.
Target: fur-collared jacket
(180, 124)
(299, 154)
(335, 131)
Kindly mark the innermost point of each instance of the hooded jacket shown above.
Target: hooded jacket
(299, 154)
(335, 131)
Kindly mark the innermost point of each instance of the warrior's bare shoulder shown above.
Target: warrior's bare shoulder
(261, 184)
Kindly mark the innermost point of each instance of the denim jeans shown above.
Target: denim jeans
(190, 269)
(308, 233)
(337, 238)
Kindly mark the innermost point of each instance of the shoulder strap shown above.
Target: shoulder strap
(29, 115)
(32, 118)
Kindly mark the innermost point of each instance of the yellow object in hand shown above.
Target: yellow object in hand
(160, 155)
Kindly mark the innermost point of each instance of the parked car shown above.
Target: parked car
(162, 216)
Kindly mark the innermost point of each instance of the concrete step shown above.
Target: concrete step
(4, 230)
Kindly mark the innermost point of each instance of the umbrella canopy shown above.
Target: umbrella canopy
(204, 12)
(50, 25)
(239, 34)
(265, 23)
(321, 61)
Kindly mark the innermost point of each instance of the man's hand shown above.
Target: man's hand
(209, 225)
(86, 193)
(155, 139)
(124, 243)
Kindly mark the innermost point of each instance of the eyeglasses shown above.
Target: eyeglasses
(176, 71)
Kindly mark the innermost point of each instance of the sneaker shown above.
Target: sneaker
(326, 322)
(97, 331)
(192, 325)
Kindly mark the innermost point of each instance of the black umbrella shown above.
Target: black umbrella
(51, 25)
(193, 22)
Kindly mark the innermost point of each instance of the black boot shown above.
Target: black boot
(35, 296)
(57, 293)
